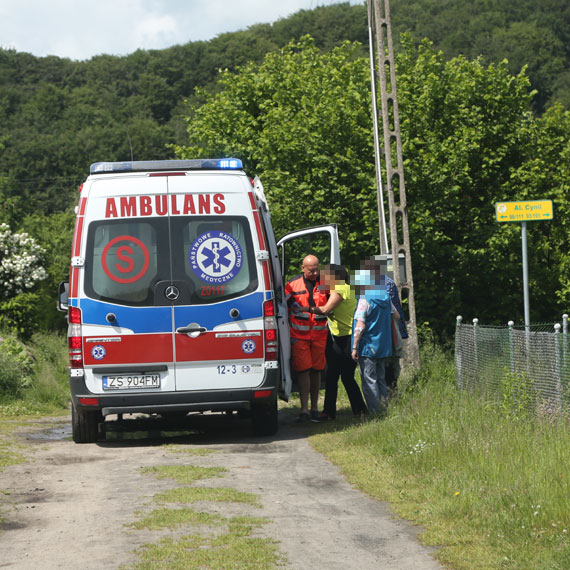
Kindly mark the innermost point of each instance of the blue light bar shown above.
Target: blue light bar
(165, 165)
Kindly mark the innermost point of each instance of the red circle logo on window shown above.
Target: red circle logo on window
(128, 266)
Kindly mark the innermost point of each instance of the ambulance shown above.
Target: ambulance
(175, 300)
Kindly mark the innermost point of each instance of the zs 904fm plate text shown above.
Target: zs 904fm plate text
(131, 381)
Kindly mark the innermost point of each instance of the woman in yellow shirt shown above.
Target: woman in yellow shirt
(339, 310)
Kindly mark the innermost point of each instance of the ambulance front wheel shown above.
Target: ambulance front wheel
(85, 425)
(264, 418)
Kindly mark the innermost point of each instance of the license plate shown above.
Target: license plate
(131, 381)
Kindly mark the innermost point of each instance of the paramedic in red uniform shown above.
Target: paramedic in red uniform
(308, 334)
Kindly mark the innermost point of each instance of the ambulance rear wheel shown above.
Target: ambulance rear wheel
(85, 425)
(264, 418)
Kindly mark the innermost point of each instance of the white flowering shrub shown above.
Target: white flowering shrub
(20, 264)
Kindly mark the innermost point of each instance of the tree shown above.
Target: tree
(301, 120)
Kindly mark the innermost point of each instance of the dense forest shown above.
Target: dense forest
(59, 116)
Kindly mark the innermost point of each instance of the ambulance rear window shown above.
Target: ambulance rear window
(133, 262)
(215, 255)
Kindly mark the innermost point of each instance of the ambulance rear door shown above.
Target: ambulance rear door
(126, 319)
(218, 294)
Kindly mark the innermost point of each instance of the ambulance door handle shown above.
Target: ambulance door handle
(191, 329)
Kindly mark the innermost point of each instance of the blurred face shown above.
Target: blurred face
(328, 278)
(310, 268)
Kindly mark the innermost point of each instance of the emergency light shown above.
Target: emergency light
(154, 165)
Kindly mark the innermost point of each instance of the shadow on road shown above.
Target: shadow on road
(193, 429)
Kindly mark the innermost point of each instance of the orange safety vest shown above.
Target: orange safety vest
(303, 324)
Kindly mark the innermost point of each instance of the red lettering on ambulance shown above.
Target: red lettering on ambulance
(161, 205)
(203, 203)
(121, 254)
(189, 207)
(128, 206)
(146, 206)
(220, 207)
(173, 207)
(111, 208)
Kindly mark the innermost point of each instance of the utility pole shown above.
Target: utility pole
(380, 27)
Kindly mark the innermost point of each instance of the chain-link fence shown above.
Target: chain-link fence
(530, 365)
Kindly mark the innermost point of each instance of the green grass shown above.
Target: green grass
(490, 488)
(162, 518)
(184, 474)
(217, 494)
(213, 541)
(223, 552)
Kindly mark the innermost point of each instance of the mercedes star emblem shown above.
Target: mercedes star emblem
(171, 293)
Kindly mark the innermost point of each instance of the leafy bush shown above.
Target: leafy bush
(20, 314)
(16, 364)
(50, 384)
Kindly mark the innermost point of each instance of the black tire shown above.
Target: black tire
(264, 418)
(85, 425)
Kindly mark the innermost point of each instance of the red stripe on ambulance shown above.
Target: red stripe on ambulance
(76, 248)
(208, 347)
(261, 238)
(130, 349)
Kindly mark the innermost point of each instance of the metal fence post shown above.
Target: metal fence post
(458, 353)
(558, 364)
(565, 363)
(475, 323)
(511, 325)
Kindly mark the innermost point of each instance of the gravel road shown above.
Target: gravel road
(67, 506)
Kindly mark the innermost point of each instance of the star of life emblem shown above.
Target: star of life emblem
(215, 257)
(248, 346)
(98, 352)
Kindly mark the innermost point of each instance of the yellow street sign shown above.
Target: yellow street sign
(532, 211)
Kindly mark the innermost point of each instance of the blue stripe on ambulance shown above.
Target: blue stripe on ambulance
(159, 319)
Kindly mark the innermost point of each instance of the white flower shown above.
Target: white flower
(20, 265)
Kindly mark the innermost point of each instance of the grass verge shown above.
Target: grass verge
(33, 376)
(491, 488)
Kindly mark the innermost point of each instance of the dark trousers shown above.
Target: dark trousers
(340, 363)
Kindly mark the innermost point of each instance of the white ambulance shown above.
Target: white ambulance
(175, 299)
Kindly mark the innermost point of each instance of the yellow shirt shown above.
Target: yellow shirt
(340, 320)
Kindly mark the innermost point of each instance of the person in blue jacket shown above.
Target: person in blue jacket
(372, 335)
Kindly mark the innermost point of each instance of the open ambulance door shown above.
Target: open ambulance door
(321, 241)
(327, 248)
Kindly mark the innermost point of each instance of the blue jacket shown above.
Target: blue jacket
(376, 340)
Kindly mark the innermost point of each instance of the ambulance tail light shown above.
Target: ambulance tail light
(270, 330)
(74, 338)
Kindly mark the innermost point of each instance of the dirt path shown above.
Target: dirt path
(67, 506)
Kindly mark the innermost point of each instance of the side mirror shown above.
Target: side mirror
(63, 296)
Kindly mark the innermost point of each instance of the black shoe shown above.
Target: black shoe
(324, 417)
(302, 417)
(317, 417)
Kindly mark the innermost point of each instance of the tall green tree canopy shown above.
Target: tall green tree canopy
(302, 121)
